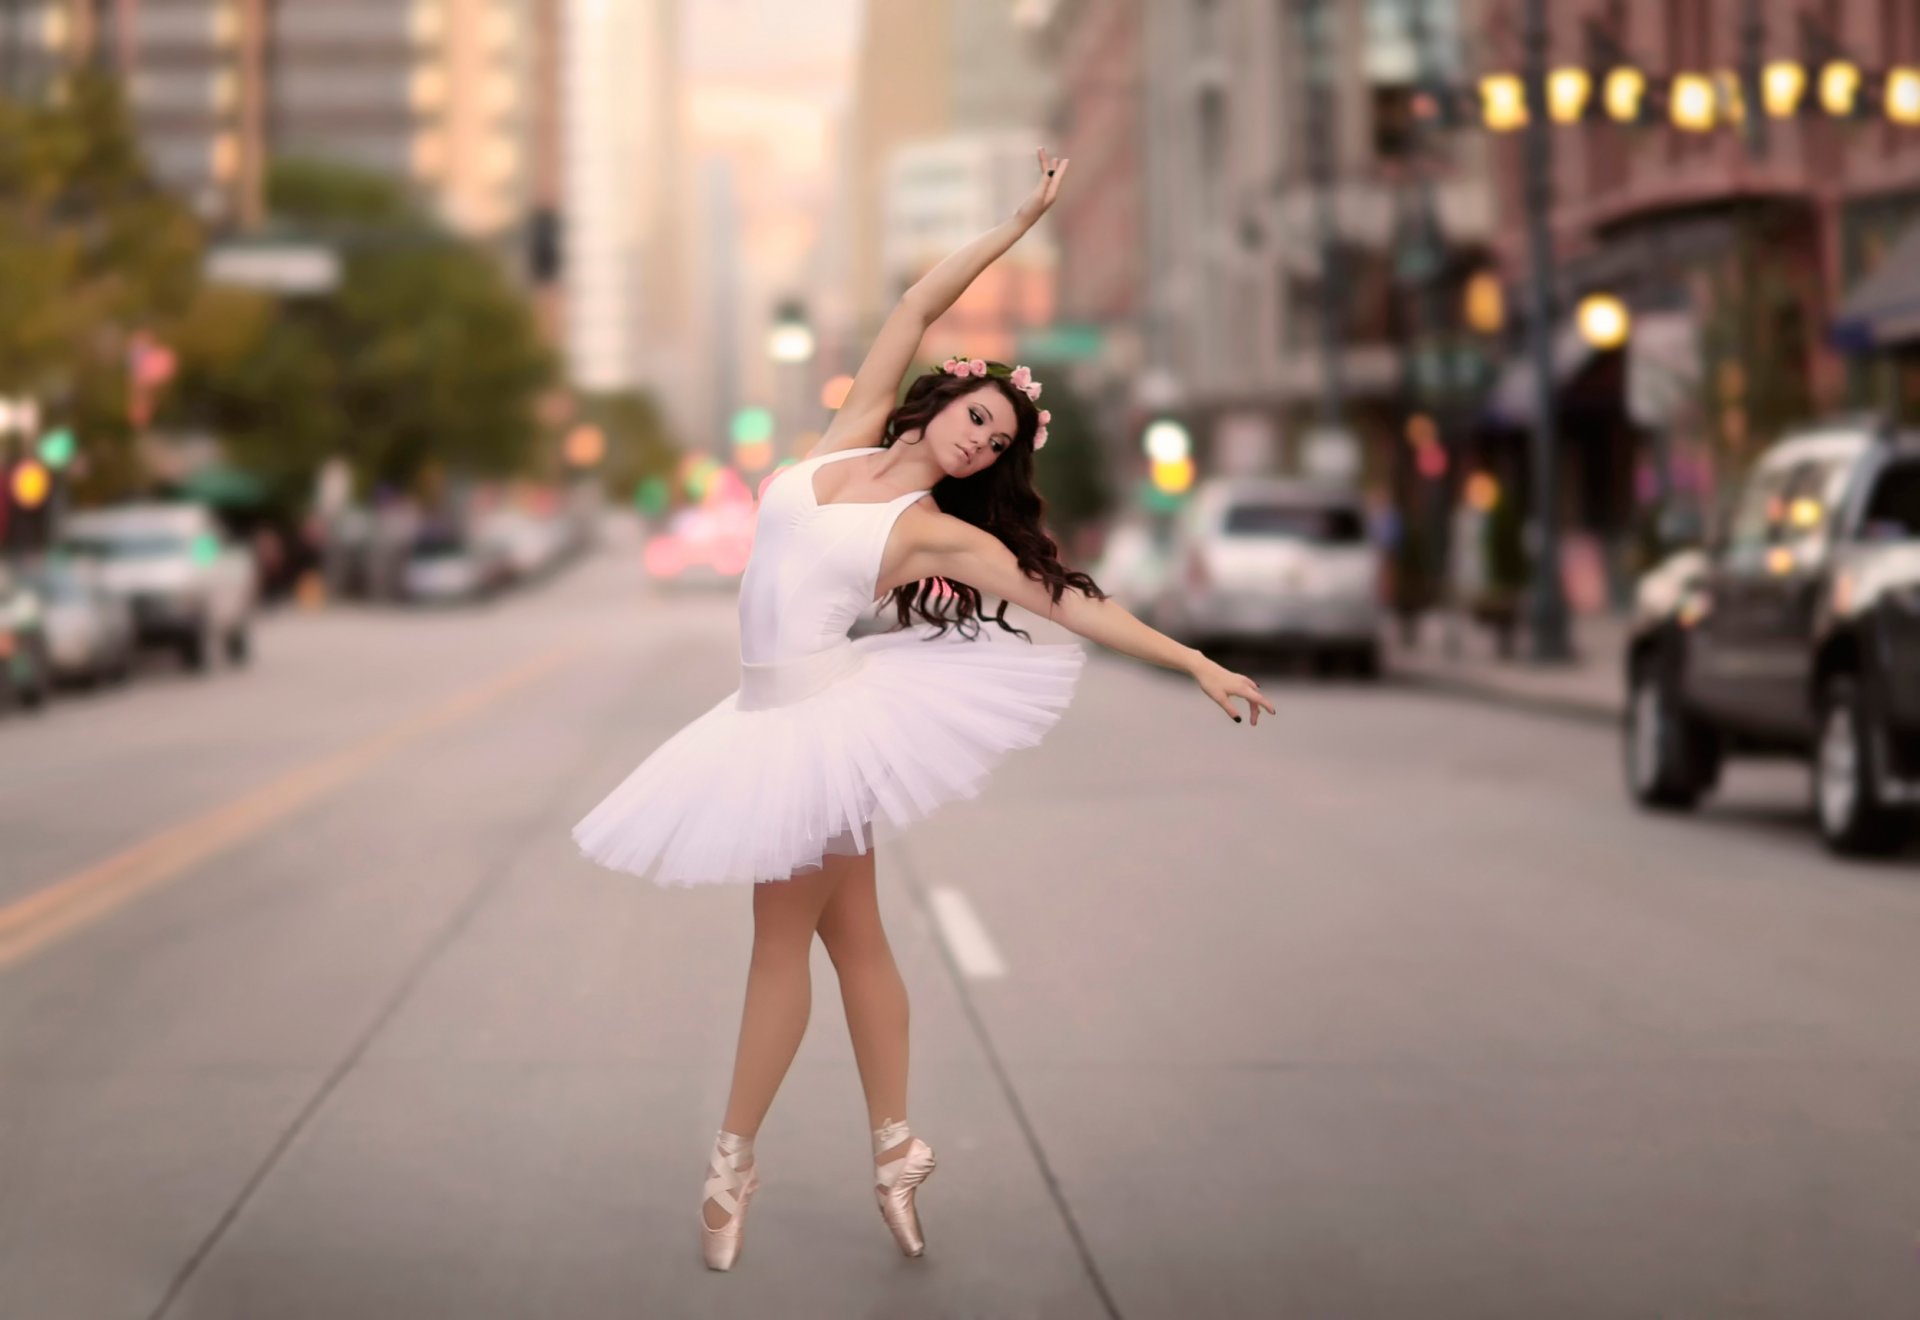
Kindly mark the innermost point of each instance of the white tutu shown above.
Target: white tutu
(818, 755)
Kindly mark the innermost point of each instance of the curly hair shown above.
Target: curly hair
(999, 499)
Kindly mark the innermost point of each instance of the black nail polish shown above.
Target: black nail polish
(1236, 719)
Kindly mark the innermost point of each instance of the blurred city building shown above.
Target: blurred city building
(1195, 238)
(624, 238)
(941, 194)
(950, 103)
(440, 94)
(1732, 249)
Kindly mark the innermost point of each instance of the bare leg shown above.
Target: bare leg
(779, 999)
(871, 989)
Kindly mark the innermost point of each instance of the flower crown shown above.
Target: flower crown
(1021, 378)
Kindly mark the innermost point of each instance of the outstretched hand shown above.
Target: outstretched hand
(1052, 170)
(1222, 684)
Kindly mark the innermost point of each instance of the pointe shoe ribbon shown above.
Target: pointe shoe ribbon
(732, 1188)
(898, 1180)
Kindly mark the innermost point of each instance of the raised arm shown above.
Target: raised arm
(876, 386)
(952, 548)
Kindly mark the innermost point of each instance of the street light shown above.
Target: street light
(1694, 102)
(1840, 88)
(1625, 89)
(791, 340)
(1903, 97)
(1567, 93)
(1503, 102)
(1604, 321)
(1783, 84)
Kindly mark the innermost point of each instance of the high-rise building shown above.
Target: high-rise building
(433, 92)
(949, 105)
(902, 94)
(439, 94)
(622, 191)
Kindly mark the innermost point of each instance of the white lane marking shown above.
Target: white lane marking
(965, 936)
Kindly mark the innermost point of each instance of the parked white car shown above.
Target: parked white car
(1274, 563)
(90, 629)
(191, 587)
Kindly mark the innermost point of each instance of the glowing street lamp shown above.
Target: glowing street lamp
(1624, 91)
(1903, 97)
(1567, 93)
(1604, 321)
(1840, 88)
(1485, 303)
(1503, 102)
(1693, 102)
(1782, 85)
(791, 339)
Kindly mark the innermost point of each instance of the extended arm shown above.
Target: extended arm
(951, 548)
(876, 386)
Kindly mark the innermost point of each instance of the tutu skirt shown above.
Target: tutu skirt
(826, 752)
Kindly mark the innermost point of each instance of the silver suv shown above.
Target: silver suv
(1270, 562)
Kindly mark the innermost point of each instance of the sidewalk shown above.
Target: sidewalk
(1591, 686)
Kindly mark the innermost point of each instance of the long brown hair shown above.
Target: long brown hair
(999, 498)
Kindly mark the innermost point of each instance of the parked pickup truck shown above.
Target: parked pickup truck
(1796, 631)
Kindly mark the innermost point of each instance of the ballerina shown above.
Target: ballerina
(831, 744)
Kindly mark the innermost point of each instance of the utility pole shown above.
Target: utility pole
(1548, 606)
(1315, 20)
(1753, 53)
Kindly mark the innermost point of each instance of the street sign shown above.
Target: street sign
(276, 268)
(1063, 343)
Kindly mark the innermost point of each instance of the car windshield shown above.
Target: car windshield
(1316, 524)
(1893, 514)
(149, 545)
(60, 585)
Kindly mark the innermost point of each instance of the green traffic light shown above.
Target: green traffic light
(57, 448)
(751, 426)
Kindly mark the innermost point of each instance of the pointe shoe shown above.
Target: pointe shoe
(733, 1189)
(898, 1180)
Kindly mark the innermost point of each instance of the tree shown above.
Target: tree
(91, 251)
(1071, 473)
(639, 442)
(426, 356)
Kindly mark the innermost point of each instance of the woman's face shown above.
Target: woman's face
(972, 431)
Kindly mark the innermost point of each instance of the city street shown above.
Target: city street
(1392, 1006)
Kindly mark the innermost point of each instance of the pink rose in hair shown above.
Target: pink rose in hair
(1045, 417)
(979, 367)
(1022, 377)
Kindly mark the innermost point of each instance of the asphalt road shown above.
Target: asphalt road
(1391, 1006)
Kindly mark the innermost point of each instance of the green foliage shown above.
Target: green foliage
(319, 193)
(426, 356)
(1071, 472)
(639, 442)
(91, 250)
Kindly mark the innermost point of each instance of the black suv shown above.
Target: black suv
(1798, 632)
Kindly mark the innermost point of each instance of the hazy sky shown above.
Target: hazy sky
(736, 36)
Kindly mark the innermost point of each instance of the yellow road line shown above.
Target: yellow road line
(41, 918)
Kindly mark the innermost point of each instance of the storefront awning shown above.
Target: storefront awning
(1883, 310)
